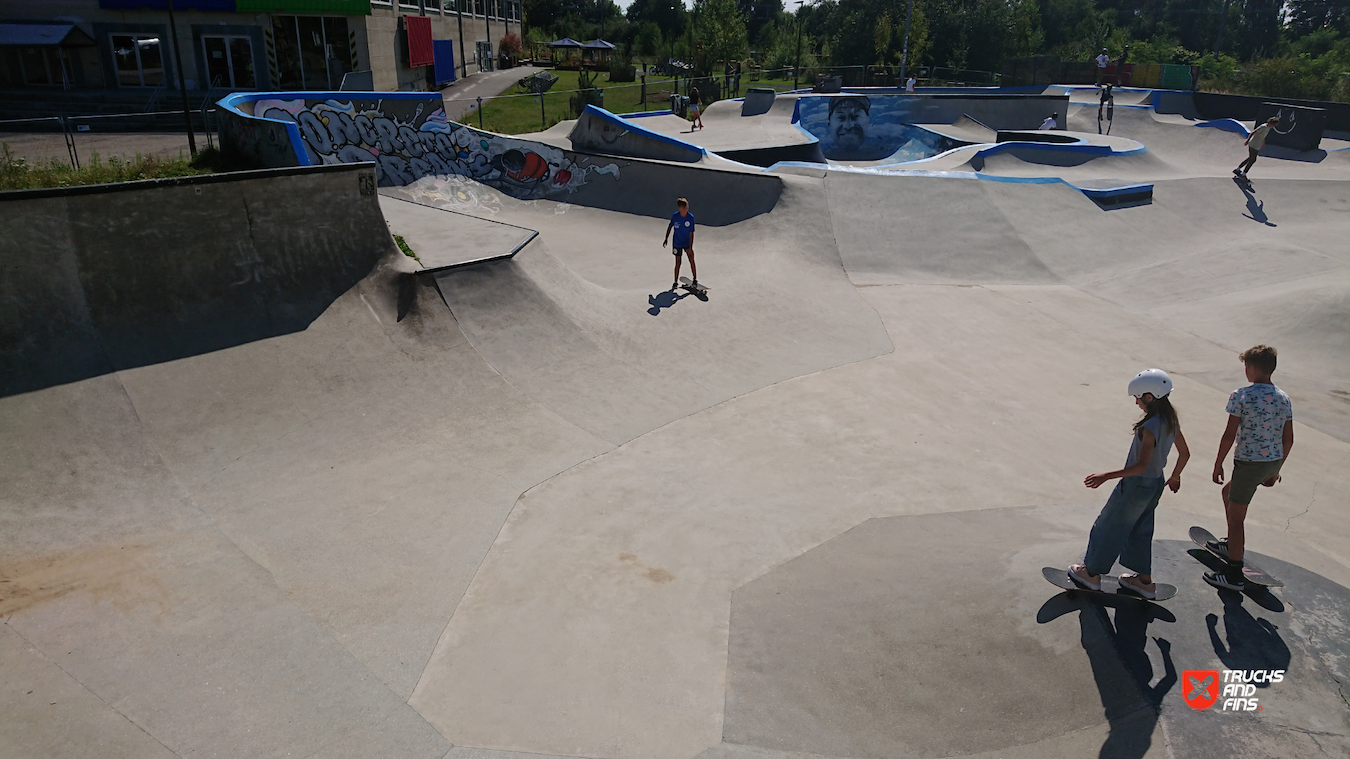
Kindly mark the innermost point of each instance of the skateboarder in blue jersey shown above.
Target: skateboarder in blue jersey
(683, 223)
(1124, 529)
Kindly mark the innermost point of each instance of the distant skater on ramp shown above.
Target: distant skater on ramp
(1107, 102)
(682, 222)
(1254, 142)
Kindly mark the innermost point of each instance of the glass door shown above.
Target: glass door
(229, 62)
(139, 60)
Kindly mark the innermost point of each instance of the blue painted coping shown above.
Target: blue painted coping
(1092, 192)
(1227, 125)
(641, 114)
(231, 102)
(622, 123)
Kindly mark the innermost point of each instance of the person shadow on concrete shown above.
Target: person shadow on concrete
(664, 300)
(1256, 209)
(1121, 667)
(1247, 643)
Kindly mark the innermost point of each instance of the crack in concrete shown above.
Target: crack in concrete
(87, 689)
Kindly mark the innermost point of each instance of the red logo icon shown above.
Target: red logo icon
(1200, 687)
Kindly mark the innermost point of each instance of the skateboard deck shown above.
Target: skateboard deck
(1244, 183)
(1201, 537)
(697, 289)
(1059, 577)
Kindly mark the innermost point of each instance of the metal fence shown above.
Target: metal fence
(74, 139)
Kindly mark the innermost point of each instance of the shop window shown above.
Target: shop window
(139, 59)
(433, 6)
(312, 52)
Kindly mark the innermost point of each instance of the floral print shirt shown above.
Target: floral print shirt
(1263, 409)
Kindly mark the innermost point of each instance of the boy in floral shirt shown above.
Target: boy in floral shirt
(1261, 422)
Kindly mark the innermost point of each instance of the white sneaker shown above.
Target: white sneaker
(1082, 579)
(1130, 583)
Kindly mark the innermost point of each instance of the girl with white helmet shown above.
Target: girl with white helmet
(1124, 529)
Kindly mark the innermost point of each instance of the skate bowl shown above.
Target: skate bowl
(96, 282)
(549, 505)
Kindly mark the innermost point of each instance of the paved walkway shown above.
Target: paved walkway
(461, 97)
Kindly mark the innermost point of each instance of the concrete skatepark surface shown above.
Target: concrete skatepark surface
(546, 507)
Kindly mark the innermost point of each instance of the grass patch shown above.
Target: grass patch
(18, 174)
(518, 112)
(407, 249)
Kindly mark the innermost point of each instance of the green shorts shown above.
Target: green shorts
(1247, 476)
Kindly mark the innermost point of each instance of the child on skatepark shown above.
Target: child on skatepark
(695, 115)
(683, 223)
(1261, 423)
(1254, 142)
(1124, 529)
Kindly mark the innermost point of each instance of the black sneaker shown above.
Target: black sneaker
(674, 286)
(1237, 172)
(1219, 546)
(1220, 580)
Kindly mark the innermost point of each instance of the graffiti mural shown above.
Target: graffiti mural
(411, 138)
(860, 128)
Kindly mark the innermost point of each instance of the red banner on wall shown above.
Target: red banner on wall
(420, 51)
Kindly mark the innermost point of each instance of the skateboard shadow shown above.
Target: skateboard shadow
(1256, 208)
(1258, 593)
(664, 300)
(1248, 642)
(1121, 666)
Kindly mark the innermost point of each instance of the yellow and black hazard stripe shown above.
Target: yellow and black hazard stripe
(351, 39)
(272, 68)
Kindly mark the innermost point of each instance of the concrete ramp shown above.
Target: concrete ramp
(757, 100)
(600, 131)
(96, 282)
(442, 238)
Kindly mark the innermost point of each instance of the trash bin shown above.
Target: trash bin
(679, 105)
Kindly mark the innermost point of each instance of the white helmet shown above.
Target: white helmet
(1154, 381)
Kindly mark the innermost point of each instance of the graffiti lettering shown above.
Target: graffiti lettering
(410, 138)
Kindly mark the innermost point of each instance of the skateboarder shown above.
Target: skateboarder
(1051, 121)
(683, 223)
(1124, 529)
(693, 109)
(1261, 422)
(909, 85)
(1107, 101)
(1254, 142)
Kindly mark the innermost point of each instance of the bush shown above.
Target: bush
(587, 94)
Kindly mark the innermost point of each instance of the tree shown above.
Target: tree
(721, 32)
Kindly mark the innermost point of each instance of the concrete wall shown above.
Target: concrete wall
(109, 277)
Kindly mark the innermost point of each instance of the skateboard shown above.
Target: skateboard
(697, 289)
(1059, 577)
(1244, 183)
(1201, 537)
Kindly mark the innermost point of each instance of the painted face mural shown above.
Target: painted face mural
(849, 120)
(411, 138)
(859, 128)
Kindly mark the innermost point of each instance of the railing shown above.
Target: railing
(161, 133)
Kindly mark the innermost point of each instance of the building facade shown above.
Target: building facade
(126, 46)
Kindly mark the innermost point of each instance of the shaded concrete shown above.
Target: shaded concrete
(847, 650)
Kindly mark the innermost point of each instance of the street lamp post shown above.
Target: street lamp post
(797, 66)
(904, 54)
(182, 83)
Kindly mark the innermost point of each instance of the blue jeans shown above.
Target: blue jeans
(1124, 529)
